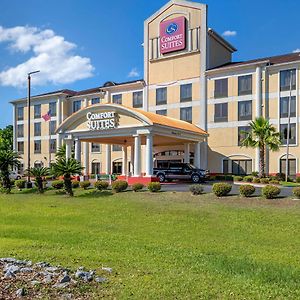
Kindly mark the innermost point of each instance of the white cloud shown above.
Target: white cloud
(296, 50)
(133, 73)
(50, 53)
(229, 33)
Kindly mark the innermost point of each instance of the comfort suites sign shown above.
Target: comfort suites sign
(102, 121)
(172, 35)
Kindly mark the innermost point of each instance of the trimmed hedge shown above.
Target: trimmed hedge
(196, 189)
(273, 181)
(264, 180)
(75, 184)
(238, 178)
(119, 186)
(154, 187)
(248, 178)
(57, 184)
(101, 185)
(221, 189)
(298, 179)
(85, 184)
(270, 191)
(256, 180)
(20, 184)
(137, 187)
(247, 190)
(296, 192)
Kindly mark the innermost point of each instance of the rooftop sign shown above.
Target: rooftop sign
(101, 121)
(172, 35)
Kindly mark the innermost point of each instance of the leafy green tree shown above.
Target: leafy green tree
(67, 168)
(39, 174)
(261, 135)
(9, 160)
(6, 138)
(61, 152)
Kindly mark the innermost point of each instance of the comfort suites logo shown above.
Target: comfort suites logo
(102, 121)
(172, 35)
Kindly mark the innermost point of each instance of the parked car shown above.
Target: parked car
(181, 171)
(14, 175)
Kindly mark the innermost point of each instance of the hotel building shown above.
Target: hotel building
(192, 105)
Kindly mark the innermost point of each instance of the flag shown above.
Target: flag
(47, 116)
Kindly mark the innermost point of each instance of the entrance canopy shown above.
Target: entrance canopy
(120, 125)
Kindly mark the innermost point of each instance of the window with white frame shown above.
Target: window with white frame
(20, 130)
(137, 99)
(161, 96)
(20, 146)
(186, 92)
(284, 133)
(284, 107)
(95, 147)
(52, 128)
(287, 77)
(20, 113)
(95, 101)
(221, 112)
(186, 114)
(53, 146)
(221, 88)
(245, 85)
(76, 105)
(37, 129)
(117, 99)
(245, 110)
(37, 146)
(162, 112)
(242, 133)
(52, 109)
(37, 111)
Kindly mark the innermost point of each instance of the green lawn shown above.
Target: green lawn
(162, 246)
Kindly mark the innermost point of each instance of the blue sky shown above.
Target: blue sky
(98, 41)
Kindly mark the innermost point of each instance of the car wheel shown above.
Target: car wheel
(161, 177)
(196, 178)
(18, 178)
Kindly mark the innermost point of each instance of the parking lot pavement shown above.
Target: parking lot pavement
(184, 187)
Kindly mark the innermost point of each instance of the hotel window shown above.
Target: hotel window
(242, 167)
(161, 96)
(117, 99)
(186, 92)
(284, 133)
(116, 148)
(162, 112)
(137, 99)
(37, 111)
(284, 107)
(291, 166)
(76, 105)
(21, 147)
(186, 114)
(221, 88)
(221, 112)
(20, 130)
(52, 128)
(52, 109)
(20, 113)
(95, 148)
(37, 129)
(285, 78)
(242, 133)
(245, 85)
(95, 101)
(53, 146)
(37, 147)
(95, 168)
(245, 110)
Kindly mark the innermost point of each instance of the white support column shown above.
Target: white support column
(14, 129)
(68, 148)
(124, 161)
(149, 155)
(258, 107)
(186, 153)
(132, 159)
(78, 150)
(137, 155)
(108, 159)
(197, 155)
(86, 159)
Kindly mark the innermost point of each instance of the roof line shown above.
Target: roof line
(221, 40)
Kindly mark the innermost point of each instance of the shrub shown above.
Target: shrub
(220, 177)
(20, 184)
(49, 177)
(75, 184)
(119, 186)
(137, 187)
(221, 189)
(254, 174)
(280, 176)
(256, 180)
(264, 180)
(196, 189)
(154, 187)
(58, 184)
(212, 178)
(228, 177)
(12, 182)
(101, 185)
(248, 179)
(85, 184)
(274, 181)
(238, 178)
(298, 179)
(247, 190)
(270, 191)
(296, 192)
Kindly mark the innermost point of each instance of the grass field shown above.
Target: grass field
(162, 246)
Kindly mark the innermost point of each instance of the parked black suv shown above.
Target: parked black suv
(181, 171)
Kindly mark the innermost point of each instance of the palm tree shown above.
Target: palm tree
(66, 168)
(262, 134)
(61, 152)
(39, 173)
(9, 160)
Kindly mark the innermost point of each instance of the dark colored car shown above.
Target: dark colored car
(181, 171)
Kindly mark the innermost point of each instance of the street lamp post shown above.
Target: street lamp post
(29, 183)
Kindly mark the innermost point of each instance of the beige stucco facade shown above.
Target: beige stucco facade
(185, 85)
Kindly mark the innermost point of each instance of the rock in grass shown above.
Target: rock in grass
(42, 264)
(12, 268)
(100, 279)
(26, 270)
(86, 276)
(65, 278)
(35, 282)
(51, 269)
(47, 279)
(61, 285)
(9, 275)
(109, 270)
(20, 292)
